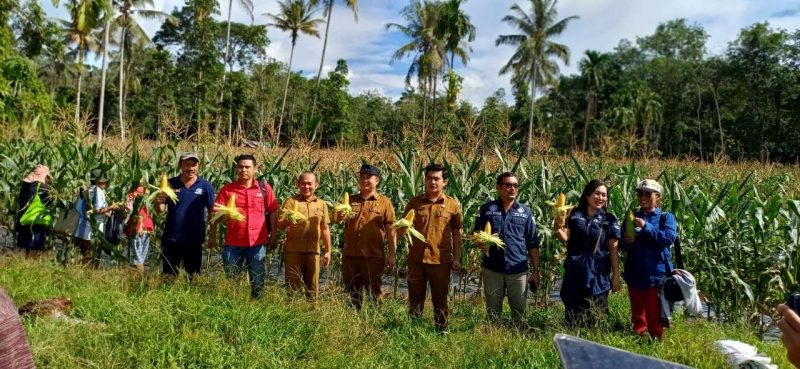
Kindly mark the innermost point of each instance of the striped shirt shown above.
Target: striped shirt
(14, 350)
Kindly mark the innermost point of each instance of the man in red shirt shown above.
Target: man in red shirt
(246, 241)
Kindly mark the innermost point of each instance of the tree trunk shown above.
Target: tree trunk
(80, 79)
(424, 107)
(321, 63)
(530, 120)
(435, 80)
(719, 119)
(285, 93)
(122, 82)
(103, 85)
(699, 123)
(589, 116)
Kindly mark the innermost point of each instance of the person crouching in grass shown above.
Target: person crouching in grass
(301, 251)
(138, 228)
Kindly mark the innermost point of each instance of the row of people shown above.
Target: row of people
(591, 234)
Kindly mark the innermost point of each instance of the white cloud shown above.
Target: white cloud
(368, 47)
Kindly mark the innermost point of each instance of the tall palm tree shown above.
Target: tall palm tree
(248, 7)
(533, 59)
(85, 17)
(353, 5)
(426, 49)
(455, 26)
(106, 31)
(295, 17)
(127, 25)
(592, 68)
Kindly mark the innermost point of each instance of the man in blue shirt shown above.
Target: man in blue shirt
(185, 229)
(505, 271)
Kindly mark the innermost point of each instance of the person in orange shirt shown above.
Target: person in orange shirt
(301, 249)
(437, 217)
(365, 234)
(246, 241)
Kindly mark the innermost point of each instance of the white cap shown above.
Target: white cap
(649, 185)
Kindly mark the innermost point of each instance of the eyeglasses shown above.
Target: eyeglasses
(510, 185)
(643, 194)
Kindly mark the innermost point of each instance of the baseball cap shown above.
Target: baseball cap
(369, 169)
(189, 155)
(649, 185)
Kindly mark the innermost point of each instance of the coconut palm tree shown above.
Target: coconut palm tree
(248, 8)
(296, 17)
(535, 49)
(353, 5)
(85, 17)
(592, 68)
(454, 27)
(426, 49)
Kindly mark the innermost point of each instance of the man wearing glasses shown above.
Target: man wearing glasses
(505, 270)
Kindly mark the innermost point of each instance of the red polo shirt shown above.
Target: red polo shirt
(253, 204)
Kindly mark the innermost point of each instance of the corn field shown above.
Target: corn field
(739, 234)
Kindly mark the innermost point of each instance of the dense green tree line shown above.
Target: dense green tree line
(662, 94)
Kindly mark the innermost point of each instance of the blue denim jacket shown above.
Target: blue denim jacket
(586, 273)
(517, 229)
(648, 255)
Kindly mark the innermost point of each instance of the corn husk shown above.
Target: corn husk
(163, 188)
(344, 207)
(487, 237)
(229, 210)
(560, 207)
(292, 215)
(407, 223)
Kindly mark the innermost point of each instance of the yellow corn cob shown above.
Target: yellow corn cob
(629, 228)
(344, 207)
(165, 189)
(229, 210)
(486, 237)
(293, 215)
(407, 223)
(560, 207)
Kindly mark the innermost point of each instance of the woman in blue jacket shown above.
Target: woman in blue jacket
(591, 268)
(647, 258)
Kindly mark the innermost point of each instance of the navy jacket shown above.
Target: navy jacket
(586, 273)
(516, 228)
(648, 255)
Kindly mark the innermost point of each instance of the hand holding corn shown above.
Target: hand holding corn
(163, 191)
(229, 211)
(407, 225)
(292, 215)
(560, 207)
(344, 207)
(485, 237)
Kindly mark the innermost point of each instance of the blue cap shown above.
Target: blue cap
(369, 169)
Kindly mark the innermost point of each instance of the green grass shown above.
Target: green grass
(131, 322)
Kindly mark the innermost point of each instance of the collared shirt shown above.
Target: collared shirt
(306, 237)
(254, 205)
(517, 229)
(186, 218)
(364, 234)
(436, 221)
(585, 233)
(648, 256)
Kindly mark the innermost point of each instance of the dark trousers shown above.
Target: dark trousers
(421, 275)
(578, 309)
(235, 259)
(362, 273)
(173, 255)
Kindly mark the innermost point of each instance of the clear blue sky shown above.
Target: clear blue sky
(368, 47)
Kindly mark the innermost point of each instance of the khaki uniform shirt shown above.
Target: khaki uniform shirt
(306, 237)
(364, 234)
(436, 221)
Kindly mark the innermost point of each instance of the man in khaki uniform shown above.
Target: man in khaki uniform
(365, 233)
(437, 217)
(301, 249)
